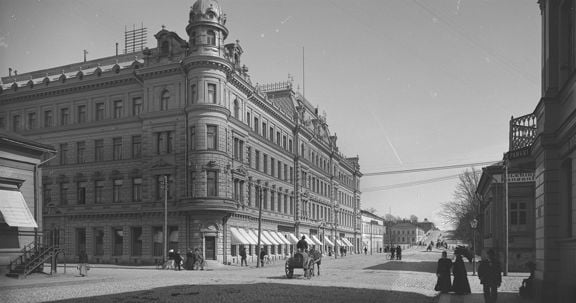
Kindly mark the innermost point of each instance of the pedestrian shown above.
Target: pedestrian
(443, 283)
(302, 245)
(198, 260)
(170, 263)
(460, 286)
(243, 256)
(490, 274)
(83, 263)
(177, 260)
(263, 255)
(189, 265)
(365, 250)
(398, 252)
(392, 253)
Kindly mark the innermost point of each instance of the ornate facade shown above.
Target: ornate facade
(188, 113)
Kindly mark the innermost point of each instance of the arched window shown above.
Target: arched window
(302, 150)
(165, 47)
(211, 38)
(236, 108)
(192, 38)
(164, 100)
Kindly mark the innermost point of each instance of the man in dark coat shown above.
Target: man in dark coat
(243, 256)
(490, 274)
(461, 286)
(263, 254)
(177, 260)
(190, 259)
(302, 245)
(398, 252)
(443, 283)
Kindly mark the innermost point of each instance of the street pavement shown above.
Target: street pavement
(353, 278)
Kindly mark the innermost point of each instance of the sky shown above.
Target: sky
(404, 83)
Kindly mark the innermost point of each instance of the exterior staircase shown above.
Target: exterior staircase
(32, 259)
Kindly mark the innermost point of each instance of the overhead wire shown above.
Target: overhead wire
(408, 184)
(424, 169)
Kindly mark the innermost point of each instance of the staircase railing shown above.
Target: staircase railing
(34, 255)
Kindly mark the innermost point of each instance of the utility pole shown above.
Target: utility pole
(165, 188)
(506, 219)
(259, 224)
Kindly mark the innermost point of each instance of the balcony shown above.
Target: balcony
(522, 135)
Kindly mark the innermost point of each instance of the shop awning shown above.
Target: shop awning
(14, 209)
(247, 236)
(263, 240)
(292, 238)
(328, 242)
(237, 237)
(347, 242)
(310, 242)
(281, 236)
(316, 241)
(339, 242)
(276, 237)
(269, 237)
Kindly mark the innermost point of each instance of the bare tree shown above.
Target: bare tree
(464, 206)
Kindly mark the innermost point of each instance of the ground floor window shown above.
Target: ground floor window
(118, 241)
(80, 240)
(136, 241)
(98, 241)
(157, 241)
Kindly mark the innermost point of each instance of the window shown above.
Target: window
(257, 160)
(272, 166)
(264, 129)
(192, 138)
(271, 134)
(98, 241)
(80, 152)
(518, 213)
(118, 241)
(249, 152)
(32, 120)
(165, 48)
(236, 109)
(272, 200)
(248, 120)
(63, 153)
(16, 122)
(164, 142)
(2, 122)
(99, 150)
(137, 189)
(48, 118)
(117, 190)
(193, 38)
(64, 116)
(193, 93)
(99, 111)
(136, 241)
(238, 149)
(211, 93)
(211, 183)
(265, 164)
(211, 38)
(290, 145)
(118, 109)
(302, 150)
(256, 125)
(63, 193)
(81, 192)
(136, 147)
(284, 142)
(117, 148)
(164, 100)
(47, 194)
(211, 137)
(98, 192)
(137, 106)
(279, 176)
(81, 112)
(285, 172)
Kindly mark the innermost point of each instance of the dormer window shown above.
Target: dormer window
(211, 38)
(165, 47)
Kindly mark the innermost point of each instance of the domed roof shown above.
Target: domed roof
(202, 7)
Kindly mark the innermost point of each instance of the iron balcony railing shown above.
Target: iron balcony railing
(522, 132)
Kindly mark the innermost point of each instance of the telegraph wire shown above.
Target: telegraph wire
(408, 184)
(424, 169)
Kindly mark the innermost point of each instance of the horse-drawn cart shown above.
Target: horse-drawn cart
(302, 260)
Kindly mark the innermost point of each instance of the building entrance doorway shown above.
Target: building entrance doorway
(210, 248)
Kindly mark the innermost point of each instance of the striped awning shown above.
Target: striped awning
(14, 209)
(328, 242)
(292, 238)
(263, 239)
(281, 237)
(340, 242)
(307, 238)
(347, 242)
(247, 236)
(269, 237)
(237, 237)
(315, 240)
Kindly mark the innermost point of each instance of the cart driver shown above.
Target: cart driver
(302, 245)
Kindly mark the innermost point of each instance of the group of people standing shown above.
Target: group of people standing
(395, 252)
(489, 272)
(194, 260)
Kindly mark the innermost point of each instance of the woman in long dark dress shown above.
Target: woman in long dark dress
(443, 284)
(460, 285)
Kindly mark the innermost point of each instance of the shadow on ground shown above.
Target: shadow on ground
(423, 266)
(502, 297)
(261, 292)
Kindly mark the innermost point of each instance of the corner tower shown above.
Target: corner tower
(206, 30)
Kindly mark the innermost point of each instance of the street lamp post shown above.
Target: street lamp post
(474, 225)
(259, 225)
(164, 184)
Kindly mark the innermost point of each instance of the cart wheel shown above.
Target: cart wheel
(289, 270)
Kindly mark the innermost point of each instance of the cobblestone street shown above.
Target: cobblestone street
(357, 278)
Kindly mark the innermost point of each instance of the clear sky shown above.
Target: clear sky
(404, 83)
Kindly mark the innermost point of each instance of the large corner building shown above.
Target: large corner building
(185, 112)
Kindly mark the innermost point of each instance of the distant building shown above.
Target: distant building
(492, 221)
(186, 112)
(406, 234)
(426, 225)
(20, 194)
(373, 232)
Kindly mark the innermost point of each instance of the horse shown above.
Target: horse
(316, 257)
